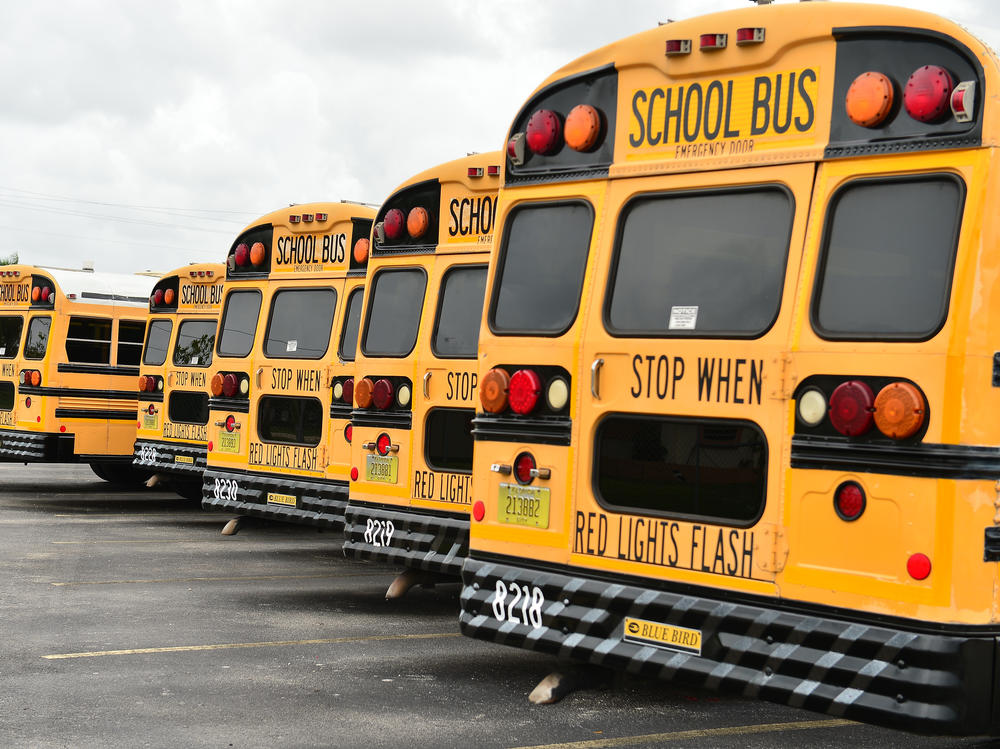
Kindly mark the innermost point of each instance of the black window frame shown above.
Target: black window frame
(270, 319)
(120, 342)
(623, 214)
(222, 324)
(357, 291)
(176, 397)
(295, 398)
(442, 285)
(166, 349)
(823, 256)
(466, 411)
(177, 338)
(685, 517)
(501, 266)
(372, 286)
(109, 342)
(48, 332)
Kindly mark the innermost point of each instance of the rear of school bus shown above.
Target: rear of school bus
(172, 429)
(273, 382)
(416, 378)
(770, 297)
(71, 344)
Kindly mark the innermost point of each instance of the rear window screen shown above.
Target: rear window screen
(713, 469)
(157, 342)
(460, 312)
(296, 421)
(352, 321)
(700, 264)
(239, 323)
(195, 341)
(886, 264)
(541, 268)
(187, 407)
(10, 335)
(300, 324)
(36, 343)
(88, 340)
(397, 297)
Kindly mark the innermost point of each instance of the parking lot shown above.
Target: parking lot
(128, 620)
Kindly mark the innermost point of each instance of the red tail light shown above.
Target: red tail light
(151, 409)
(849, 500)
(48, 295)
(851, 408)
(544, 132)
(927, 95)
(523, 391)
(230, 423)
(394, 224)
(158, 297)
(229, 385)
(382, 394)
(242, 254)
(383, 443)
(524, 464)
(348, 432)
(348, 396)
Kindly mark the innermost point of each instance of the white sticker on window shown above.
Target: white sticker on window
(3, 350)
(683, 318)
(292, 345)
(194, 359)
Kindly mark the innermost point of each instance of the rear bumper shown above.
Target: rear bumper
(174, 458)
(878, 673)
(319, 503)
(428, 541)
(20, 446)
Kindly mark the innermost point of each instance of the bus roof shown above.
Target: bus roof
(97, 287)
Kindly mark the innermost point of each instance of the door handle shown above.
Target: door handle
(427, 380)
(595, 378)
(260, 371)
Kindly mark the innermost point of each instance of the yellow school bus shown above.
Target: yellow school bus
(279, 411)
(737, 386)
(172, 429)
(416, 379)
(70, 342)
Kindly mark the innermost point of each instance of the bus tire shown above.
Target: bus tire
(189, 490)
(121, 474)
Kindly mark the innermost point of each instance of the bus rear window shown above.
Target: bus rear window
(36, 343)
(6, 396)
(397, 297)
(187, 407)
(886, 264)
(195, 340)
(88, 340)
(658, 465)
(540, 272)
(448, 439)
(352, 321)
(130, 335)
(700, 264)
(460, 309)
(300, 323)
(157, 342)
(294, 421)
(239, 323)
(10, 335)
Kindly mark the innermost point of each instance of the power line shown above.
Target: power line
(96, 239)
(106, 217)
(49, 196)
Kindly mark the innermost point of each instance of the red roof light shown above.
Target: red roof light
(394, 223)
(544, 132)
(928, 93)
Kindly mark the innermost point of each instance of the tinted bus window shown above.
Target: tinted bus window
(662, 465)
(448, 439)
(541, 268)
(88, 340)
(700, 264)
(300, 323)
(10, 335)
(886, 264)
(297, 421)
(195, 339)
(239, 323)
(397, 297)
(352, 322)
(460, 308)
(157, 342)
(187, 407)
(6, 396)
(36, 343)
(130, 335)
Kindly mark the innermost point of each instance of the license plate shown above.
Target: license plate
(383, 468)
(149, 421)
(229, 443)
(666, 636)
(524, 505)
(273, 498)
(184, 459)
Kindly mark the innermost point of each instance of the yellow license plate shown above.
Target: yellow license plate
(524, 505)
(273, 498)
(383, 468)
(666, 636)
(184, 459)
(229, 443)
(149, 421)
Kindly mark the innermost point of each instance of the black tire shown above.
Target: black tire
(189, 489)
(124, 475)
(98, 468)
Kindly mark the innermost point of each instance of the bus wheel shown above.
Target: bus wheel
(189, 490)
(121, 474)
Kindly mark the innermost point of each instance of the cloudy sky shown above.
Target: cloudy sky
(142, 135)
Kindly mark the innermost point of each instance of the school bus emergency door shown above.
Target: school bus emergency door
(776, 470)
(415, 382)
(172, 430)
(70, 343)
(272, 387)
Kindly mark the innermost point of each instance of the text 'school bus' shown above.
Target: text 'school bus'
(70, 343)
(172, 434)
(737, 372)
(415, 383)
(278, 441)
